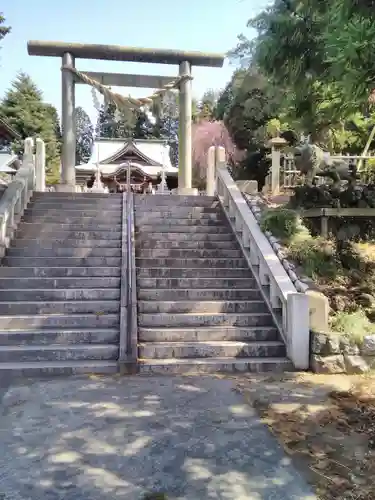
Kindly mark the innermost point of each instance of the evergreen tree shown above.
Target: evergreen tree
(24, 109)
(84, 136)
(4, 30)
(143, 129)
(115, 124)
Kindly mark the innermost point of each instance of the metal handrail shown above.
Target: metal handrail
(131, 343)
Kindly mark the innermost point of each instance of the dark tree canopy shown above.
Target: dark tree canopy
(24, 109)
(4, 30)
(84, 136)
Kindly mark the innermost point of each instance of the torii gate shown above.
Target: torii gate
(70, 76)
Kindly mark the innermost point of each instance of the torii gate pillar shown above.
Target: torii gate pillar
(68, 156)
(184, 131)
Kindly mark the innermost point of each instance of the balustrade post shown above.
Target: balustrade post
(297, 330)
(40, 166)
(210, 172)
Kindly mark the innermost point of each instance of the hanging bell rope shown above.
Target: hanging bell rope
(123, 102)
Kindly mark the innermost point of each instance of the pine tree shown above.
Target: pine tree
(24, 109)
(4, 30)
(85, 136)
(115, 124)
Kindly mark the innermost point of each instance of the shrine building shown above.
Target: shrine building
(146, 156)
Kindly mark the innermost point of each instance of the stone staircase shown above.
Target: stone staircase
(199, 307)
(60, 286)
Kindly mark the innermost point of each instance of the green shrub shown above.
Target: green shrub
(355, 324)
(315, 255)
(283, 223)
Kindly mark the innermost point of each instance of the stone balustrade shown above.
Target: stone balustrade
(29, 178)
(289, 308)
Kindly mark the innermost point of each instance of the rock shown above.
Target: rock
(333, 344)
(293, 276)
(348, 346)
(285, 264)
(301, 287)
(273, 240)
(268, 234)
(15, 396)
(355, 364)
(328, 364)
(368, 345)
(281, 253)
(366, 300)
(318, 343)
(277, 247)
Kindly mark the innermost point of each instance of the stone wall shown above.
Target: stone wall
(340, 353)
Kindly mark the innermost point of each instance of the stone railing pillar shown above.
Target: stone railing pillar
(28, 152)
(210, 172)
(40, 166)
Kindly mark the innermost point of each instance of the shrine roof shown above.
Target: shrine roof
(6, 162)
(109, 169)
(152, 152)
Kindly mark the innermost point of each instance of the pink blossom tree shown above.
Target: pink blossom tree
(204, 135)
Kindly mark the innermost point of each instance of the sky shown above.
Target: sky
(204, 25)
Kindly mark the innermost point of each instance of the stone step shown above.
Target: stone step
(198, 294)
(59, 272)
(60, 337)
(61, 234)
(32, 243)
(175, 200)
(65, 368)
(48, 224)
(191, 263)
(60, 307)
(114, 204)
(80, 252)
(175, 272)
(39, 195)
(230, 333)
(187, 222)
(201, 307)
(74, 212)
(102, 352)
(202, 244)
(180, 228)
(54, 294)
(193, 319)
(74, 208)
(140, 237)
(85, 261)
(190, 283)
(179, 253)
(215, 365)
(210, 349)
(178, 213)
(69, 282)
(69, 321)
